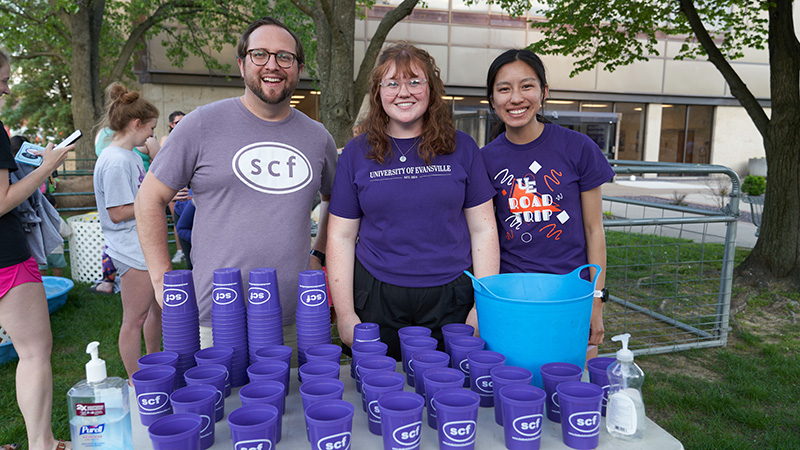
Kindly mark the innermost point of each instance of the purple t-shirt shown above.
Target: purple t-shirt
(538, 201)
(413, 231)
(254, 183)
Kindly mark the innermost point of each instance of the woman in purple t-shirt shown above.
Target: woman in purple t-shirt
(548, 181)
(410, 209)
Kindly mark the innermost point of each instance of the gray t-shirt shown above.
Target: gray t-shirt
(118, 173)
(254, 182)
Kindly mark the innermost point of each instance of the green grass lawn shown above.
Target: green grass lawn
(743, 396)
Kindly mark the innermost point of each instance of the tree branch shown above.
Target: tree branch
(50, 54)
(303, 7)
(738, 87)
(374, 48)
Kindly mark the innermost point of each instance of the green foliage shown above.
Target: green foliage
(614, 33)
(754, 185)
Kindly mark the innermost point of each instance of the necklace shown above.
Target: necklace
(404, 153)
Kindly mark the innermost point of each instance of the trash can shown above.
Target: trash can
(86, 247)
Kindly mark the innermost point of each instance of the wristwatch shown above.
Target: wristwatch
(319, 255)
(602, 294)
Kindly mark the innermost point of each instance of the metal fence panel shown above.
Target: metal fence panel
(669, 268)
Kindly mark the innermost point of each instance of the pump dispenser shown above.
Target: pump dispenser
(625, 418)
(99, 408)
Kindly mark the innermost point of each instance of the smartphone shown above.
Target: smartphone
(25, 156)
(71, 139)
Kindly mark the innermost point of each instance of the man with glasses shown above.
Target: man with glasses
(255, 165)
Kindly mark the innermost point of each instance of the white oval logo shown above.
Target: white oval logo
(408, 435)
(224, 295)
(528, 426)
(585, 422)
(175, 297)
(259, 296)
(314, 297)
(272, 167)
(460, 432)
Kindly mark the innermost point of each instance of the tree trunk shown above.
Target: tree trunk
(87, 96)
(776, 255)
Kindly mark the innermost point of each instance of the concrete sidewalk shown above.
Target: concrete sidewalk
(693, 191)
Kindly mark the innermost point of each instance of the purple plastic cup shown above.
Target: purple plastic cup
(369, 364)
(376, 384)
(318, 369)
(362, 349)
(401, 420)
(219, 354)
(254, 426)
(262, 293)
(165, 358)
(457, 411)
(424, 361)
(503, 376)
(366, 332)
(523, 415)
(435, 380)
(580, 409)
(330, 424)
(279, 352)
(227, 292)
(412, 345)
(324, 352)
(213, 374)
(597, 375)
(460, 347)
(179, 296)
(554, 374)
(270, 369)
(199, 399)
(153, 387)
(269, 392)
(452, 330)
(481, 363)
(176, 432)
(413, 330)
(312, 294)
(320, 389)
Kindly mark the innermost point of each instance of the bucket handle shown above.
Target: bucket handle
(577, 272)
(480, 285)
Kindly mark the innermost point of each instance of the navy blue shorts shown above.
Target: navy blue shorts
(394, 307)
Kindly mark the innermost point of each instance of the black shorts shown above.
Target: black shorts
(394, 307)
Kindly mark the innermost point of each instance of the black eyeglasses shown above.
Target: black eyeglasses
(260, 57)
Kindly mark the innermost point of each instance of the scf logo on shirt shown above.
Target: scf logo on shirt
(255, 444)
(460, 432)
(339, 441)
(272, 167)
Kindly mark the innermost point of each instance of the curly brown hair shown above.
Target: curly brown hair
(438, 133)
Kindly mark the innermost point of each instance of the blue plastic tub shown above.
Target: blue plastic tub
(534, 318)
(56, 290)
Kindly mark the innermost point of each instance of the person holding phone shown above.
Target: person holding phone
(23, 303)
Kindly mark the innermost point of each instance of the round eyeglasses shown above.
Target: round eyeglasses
(414, 86)
(260, 57)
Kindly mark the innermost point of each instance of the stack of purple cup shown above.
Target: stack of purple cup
(229, 321)
(180, 323)
(313, 314)
(264, 320)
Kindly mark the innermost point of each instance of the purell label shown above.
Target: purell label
(460, 432)
(174, 297)
(528, 426)
(253, 444)
(258, 296)
(90, 409)
(586, 423)
(153, 402)
(224, 295)
(339, 441)
(313, 297)
(407, 435)
(91, 429)
(484, 385)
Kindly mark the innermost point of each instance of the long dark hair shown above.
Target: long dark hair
(508, 57)
(438, 132)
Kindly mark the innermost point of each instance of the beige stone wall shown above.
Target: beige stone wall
(169, 98)
(735, 139)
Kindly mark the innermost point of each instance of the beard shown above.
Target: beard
(253, 83)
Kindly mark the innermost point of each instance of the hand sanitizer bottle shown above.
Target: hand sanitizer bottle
(625, 417)
(99, 409)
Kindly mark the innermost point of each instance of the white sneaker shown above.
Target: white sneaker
(178, 258)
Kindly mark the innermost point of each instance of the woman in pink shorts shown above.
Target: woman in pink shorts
(23, 304)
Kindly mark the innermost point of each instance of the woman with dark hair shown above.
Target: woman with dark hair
(23, 304)
(410, 209)
(548, 181)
